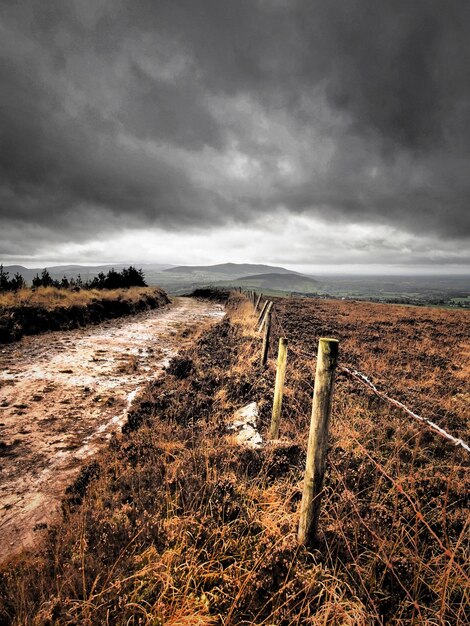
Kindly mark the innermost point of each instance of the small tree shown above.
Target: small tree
(36, 281)
(133, 277)
(113, 280)
(4, 280)
(17, 282)
(46, 278)
(98, 282)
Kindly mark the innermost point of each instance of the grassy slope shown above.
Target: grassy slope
(29, 312)
(179, 525)
(184, 279)
(272, 283)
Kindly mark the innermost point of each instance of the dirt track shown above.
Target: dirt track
(61, 397)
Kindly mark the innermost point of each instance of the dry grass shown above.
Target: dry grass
(29, 312)
(51, 297)
(421, 356)
(176, 525)
(396, 509)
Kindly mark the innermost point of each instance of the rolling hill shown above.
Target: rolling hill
(234, 270)
(184, 278)
(275, 283)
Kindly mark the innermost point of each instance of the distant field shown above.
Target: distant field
(461, 301)
(419, 290)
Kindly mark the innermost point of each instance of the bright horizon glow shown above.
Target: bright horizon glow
(298, 242)
(336, 270)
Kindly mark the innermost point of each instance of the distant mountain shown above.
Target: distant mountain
(274, 282)
(13, 269)
(184, 278)
(233, 270)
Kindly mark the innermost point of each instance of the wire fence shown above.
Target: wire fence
(407, 526)
(365, 381)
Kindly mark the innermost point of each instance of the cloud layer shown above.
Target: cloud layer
(180, 116)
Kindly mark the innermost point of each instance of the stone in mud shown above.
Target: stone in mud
(244, 424)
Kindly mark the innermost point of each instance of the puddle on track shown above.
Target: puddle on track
(63, 394)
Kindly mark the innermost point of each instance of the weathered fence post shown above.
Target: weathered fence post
(258, 301)
(261, 315)
(279, 388)
(318, 439)
(267, 332)
(265, 316)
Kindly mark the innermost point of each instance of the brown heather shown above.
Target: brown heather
(34, 311)
(175, 524)
(51, 297)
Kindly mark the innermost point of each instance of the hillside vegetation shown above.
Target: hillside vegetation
(177, 524)
(33, 311)
(274, 283)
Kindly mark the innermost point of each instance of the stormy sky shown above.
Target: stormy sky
(311, 133)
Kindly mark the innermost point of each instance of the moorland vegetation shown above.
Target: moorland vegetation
(176, 523)
(52, 305)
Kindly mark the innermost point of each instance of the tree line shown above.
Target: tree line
(10, 284)
(128, 277)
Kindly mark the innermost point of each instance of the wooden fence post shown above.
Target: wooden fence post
(257, 302)
(279, 388)
(265, 316)
(263, 311)
(318, 439)
(267, 332)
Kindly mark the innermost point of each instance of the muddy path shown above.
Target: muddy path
(62, 395)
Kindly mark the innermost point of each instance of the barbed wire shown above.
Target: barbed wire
(364, 380)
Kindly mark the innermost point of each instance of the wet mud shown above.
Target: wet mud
(62, 395)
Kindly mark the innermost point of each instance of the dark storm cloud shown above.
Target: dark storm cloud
(116, 113)
(157, 110)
